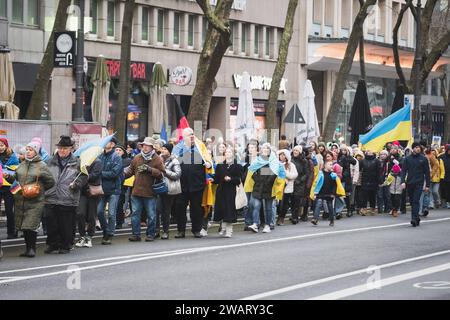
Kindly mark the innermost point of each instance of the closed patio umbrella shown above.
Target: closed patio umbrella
(398, 102)
(8, 109)
(100, 97)
(158, 102)
(360, 118)
(245, 120)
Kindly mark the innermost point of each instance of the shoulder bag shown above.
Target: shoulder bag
(31, 190)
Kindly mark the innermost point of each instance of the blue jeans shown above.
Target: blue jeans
(339, 205)
(435, 200)
(138, 204)
(268, 210)
(425, 200)
(108, 225)
(248, 212)
(327, 204)
(384, 199)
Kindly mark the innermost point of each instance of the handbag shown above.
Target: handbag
(95, 191)
(160, 187)
(173, 186)
(31, 190)
(241, 197)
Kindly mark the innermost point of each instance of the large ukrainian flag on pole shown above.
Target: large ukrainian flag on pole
(395, 127)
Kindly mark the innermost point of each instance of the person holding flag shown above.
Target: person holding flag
(63, 198)
(29, 207)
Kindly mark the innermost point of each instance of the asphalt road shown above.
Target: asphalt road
(360, 258)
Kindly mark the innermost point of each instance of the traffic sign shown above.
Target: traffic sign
(64, 49)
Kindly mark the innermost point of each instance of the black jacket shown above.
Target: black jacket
(302, 166)
(416, 170)
(193, 177)
(370, 173)
(264, 179)
(95, 175)
(446, 160)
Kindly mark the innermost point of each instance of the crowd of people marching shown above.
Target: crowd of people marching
(156, 181)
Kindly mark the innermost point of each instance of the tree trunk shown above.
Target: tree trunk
(46, 67)
(344, 70)
(271, 112)
(124, 80)
(216, 44)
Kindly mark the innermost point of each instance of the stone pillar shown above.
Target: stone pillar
(168, 28)
(137, 25)
(237, 38)
(120, 8)
(251, 40)
(198, 24)
(184, 26)
(102, 25)
(275, 43)
(262, 41)
(61, 96)
(337, 6)
(153, 25)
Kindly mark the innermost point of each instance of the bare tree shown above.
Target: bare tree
(344, 70)
(216, 44)
(271, 113)
(124, 80)
(46, 67)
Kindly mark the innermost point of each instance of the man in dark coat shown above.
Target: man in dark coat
(370, 180)
(445, 183)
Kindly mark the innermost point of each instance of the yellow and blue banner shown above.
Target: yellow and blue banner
(395, 127)
(90, 151)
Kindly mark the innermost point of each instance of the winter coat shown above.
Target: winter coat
(28, 212)
(95, 176)
(61, 194)
(111, 173)
(354, 172)
(446, 160)
(394, 181)
(225, 206)
(291, 176)
(416, 170)
(143, 182)
(301, 164)
(346, 162)
(8, 159)
(193, 176)
(263, 179)
(172, 168)
(370, 173)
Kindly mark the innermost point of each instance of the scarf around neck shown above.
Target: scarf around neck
(147, 156)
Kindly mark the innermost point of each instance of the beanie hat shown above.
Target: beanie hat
(384, 152)
(286, 154)
(168, 146)
(35, 145)
(415, 144)
(338, 170)
(396, 169)
(5, 142)
(396, 143)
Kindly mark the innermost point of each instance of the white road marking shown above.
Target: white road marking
(138, 258)
(386, 282)
(339, 276)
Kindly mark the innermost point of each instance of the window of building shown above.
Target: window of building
(345, 14)
(145, 14)
(191, 30)
(425, 88)
(176, 28)
(111, 18)
(204, 29)
(33, 13)
(434, 87)
(317, 11)
(160, 36)
(93, 13)
(232, 27)
(381, 24)
(256, 40)
(329, 13)
(244, 38)
(17, 11)
(3, 8)
(267, 49)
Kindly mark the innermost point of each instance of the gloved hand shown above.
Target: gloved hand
(144, 168)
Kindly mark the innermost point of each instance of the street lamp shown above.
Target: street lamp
(78, 114)
(418, 62)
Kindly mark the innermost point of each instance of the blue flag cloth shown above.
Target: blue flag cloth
(273, 163)
(163, 134)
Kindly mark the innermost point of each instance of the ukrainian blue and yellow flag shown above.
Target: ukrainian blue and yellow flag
(395, 127)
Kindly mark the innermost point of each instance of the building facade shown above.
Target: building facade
(172, 32)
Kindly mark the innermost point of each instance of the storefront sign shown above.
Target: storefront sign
(64, 50)
(181, 76)
(259, 82)
(138, 70)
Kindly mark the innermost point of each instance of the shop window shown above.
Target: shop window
(17, 11)
(176, 28)
(145, 14)
(160, 35)
(256, 40)
(191, 30)
(111, 18)
(93, 12)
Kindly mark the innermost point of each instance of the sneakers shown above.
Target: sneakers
(134, 238)
(253, 228)
(314, 221)
(338, 216)
(425, 212)
(149, 239)
(106, 240)
(165, 236)
(272, 227)
(204, 233)
(81, 242)
(331, 223)
(198, 234)
(280, 221)
(87, 242)
(180, 235)
(266, 229)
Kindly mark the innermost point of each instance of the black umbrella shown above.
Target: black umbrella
(399, 99)
(360, 118)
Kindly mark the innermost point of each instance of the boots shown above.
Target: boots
(30, 242)
(395, 213)
(222, 229)
(280, 221)
(228, 230)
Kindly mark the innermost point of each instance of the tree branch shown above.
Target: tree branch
(398, 66)
(435, 54)
(212, 18)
